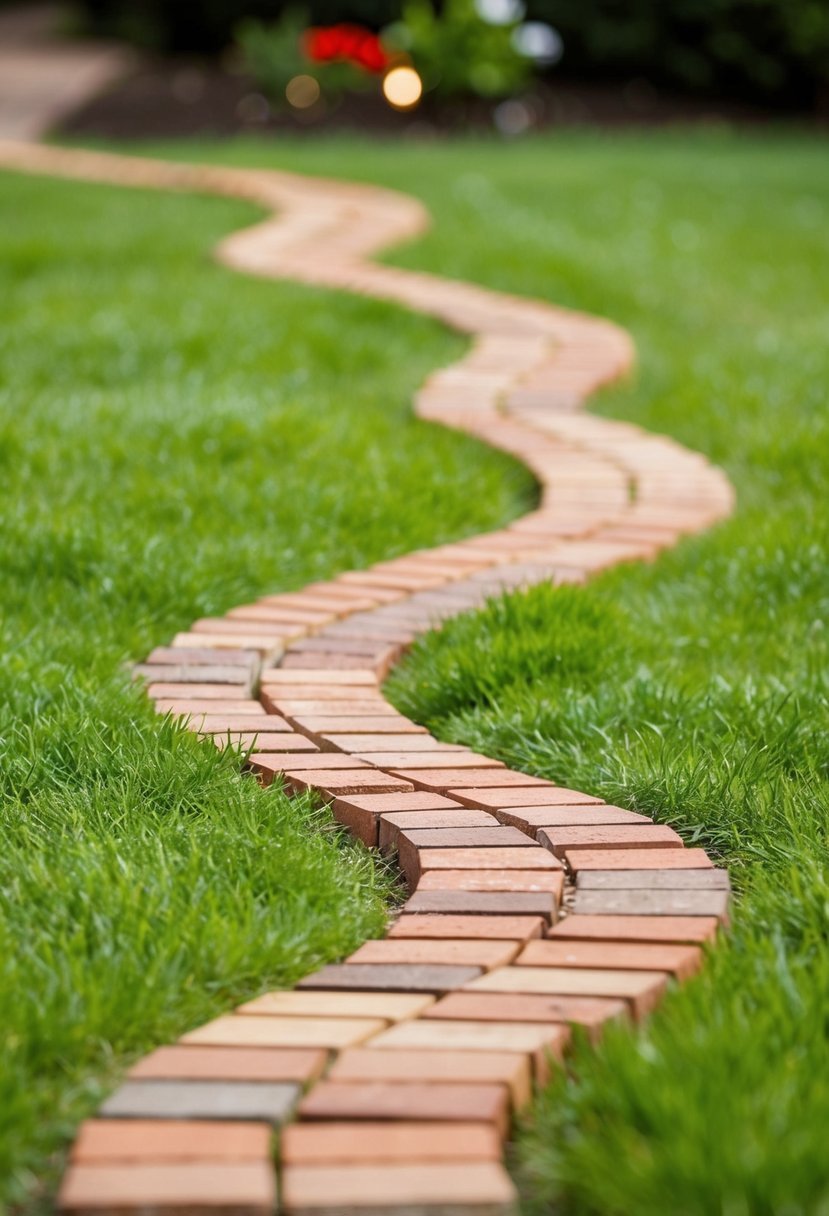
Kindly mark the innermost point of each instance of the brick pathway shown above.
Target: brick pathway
(533, 907)
(44, 77)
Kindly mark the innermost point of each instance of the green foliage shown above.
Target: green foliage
(776, 51)
(457, 53)
(763, 50)
(273, 54)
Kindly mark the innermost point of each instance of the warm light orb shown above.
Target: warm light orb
(302, 92)
(402, 88)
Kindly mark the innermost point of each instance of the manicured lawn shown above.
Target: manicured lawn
(176, 438)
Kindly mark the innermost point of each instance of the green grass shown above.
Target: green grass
(695, 689)
(174, 439)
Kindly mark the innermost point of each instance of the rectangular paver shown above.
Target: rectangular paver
(470, 1067)
(643, 989)
(653, 880)
(611, 836)
(428, 1100)
(273, 1101)
(652, 903)
(159, 1140)
(490, 903)
(390, 977)
(238, 1188)
(589, 1012)
(680, 961)
(545, 796)
(529, 818)
(177, 1063)
(636, 928)
(345, 781)
(416, 1190)
(523, 857)
(272, 1031)
(498, 928)
(391, 1006)
(462, 817)
(493, 880)
(358, 1143)
(638, 859)
(460, 951)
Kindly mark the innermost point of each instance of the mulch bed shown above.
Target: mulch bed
(172, 99)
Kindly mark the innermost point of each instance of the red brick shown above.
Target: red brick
(463, 817)
(272, 1031)
(643, 989)
(220, 724)
(358, 1143)
(652, 903)
(548, 796)
(197, 709)
(277, 678)
(485, 778)
(268, 765)
(408, 1100)
(489, 859)
(538, 1039)
(529, 818)
(205, 656)
(390, 977)
(475, 928)
(390, 1006)
(493, 880)
(271, 614)
(346, 781)
(624, 836)
(165, 1140)
(368, 724)
(588, 1012)
(182, 1063)
(194, 692)
(681, 961)
(487, 903)
(352, 1190)
(467, 1067)
(397, 582)
(638, 859)
(380, 663)
(461, 951)
(389, 744)
(269, 744)
(231, 1187)
(428, 760)
(637, 928)
(361, 813)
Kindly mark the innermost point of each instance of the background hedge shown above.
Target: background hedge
(769, 51)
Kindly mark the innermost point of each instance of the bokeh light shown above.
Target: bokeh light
(302, 92)
(402, 88)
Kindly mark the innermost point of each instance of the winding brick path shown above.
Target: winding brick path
(532, 907)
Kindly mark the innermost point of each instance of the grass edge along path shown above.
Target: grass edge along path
(610, 494)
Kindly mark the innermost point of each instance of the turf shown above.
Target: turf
(174, 440)
(695, 689)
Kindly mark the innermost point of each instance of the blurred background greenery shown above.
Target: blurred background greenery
(769, 52)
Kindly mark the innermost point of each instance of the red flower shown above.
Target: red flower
(348, 43)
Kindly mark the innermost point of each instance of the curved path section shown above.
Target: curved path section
(532, 907)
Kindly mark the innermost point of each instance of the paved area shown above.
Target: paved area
(43, 77)
(533, 907)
